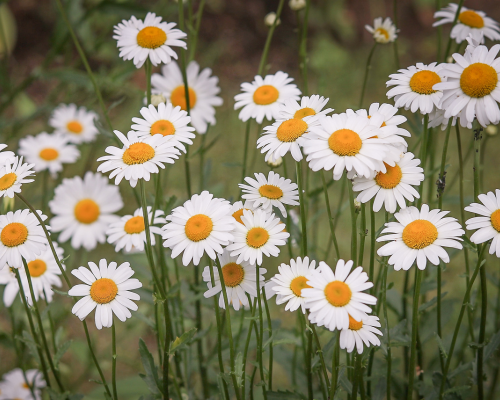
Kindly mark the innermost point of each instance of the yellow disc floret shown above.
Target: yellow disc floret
(471, 18)
(151, 37)
(304, 112)
(391, 178)
(419, 234)
(138, 153)
(355, 325)
(198, 227)
(74, 127)
(7, 180)
(87, 211)
(14, 234)
(495, 220)
(103, 291)
(345, 142)
(291, 130)
(478, 80)
(238, 214)
(178, 97)
(338, 293)
(49, 154)
(271, 192)
(257, 237)
(298, 284)
(265, 95)
(163, 127)
(134, 225)
(422, 82)
(233, 274)
(37, 268)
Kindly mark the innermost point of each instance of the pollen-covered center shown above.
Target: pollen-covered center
(304, 112)
(298, 284)
(238, 214)
(7, 180)
(103, 291)
(391, 178)
(382, 32)
(338, 293)
(355, 325)
(272, 192)
(471, 18)
(74, 127)
(151, 37)
(163, 127)
(345, 142)
(419, 234)
(14, 234)
(87, 211)
(422, 82)
(178, 97)
(138, 153)
(134, 225)
(495, 220)
(37, 268)
(198, 227)
(265, 94)
(478, 80)
(257, 237)
(291, 130)
(233, 274)
(49, 154)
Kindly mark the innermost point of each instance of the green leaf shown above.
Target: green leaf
(61, 293)
(60, 352)
(238, 369)
(492, 345)
(173, 290)
(269, 340)
(441, 346)
(27, 339)
(430, 303)
(271, 395)
(344, 382)
(182, 342)
(286, 341)
(151, 378)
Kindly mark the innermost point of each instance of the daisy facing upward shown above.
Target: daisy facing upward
(13, 174)
(77, 123)
(383, 31)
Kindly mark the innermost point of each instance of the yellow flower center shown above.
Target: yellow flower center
(7, 180)
(198, 227)
(271, 192)
(37, 268)
(49, 154)
(103, 291)
(345, 142)
(138, 153)
(87, 211)
(304, 112)
(355, 325)
(471, 18)
(163, 127)
(74, 127)
(391, 178)
(419, 234)
(383, 32)
(422, 82)
(151, 37)
(478, 80)
(178, 97)
(291, 130)
(238, 214)
(298, 284)
(233, 274)
(257, 237)
(495, 220)
(134, 225)
(14, 234)
(265, 94)
(338, 293)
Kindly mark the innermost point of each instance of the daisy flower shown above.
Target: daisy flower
(202, 88)
(290, 281)
(264, 96)
(469, 22)
(108, 289)
(238, 207)
(414, 87)
(383, 31)
(48, 151)
(273, 191)
(239, 278)
(9, 279)
(393, 187)
(139, 40)
(202, 224)
(130, 232)
(76, 123)
(139, 158)
(14, 385)
(308, 106)
(83, 209)
(4, 155)
(13, 174)
(166, 120)
(334, 296)
(260, 233)
(421, 236)
(437, 119)
(488, 224)
(359, 332)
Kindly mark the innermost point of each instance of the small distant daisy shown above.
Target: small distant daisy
(139, 40)
(308, 106)
(13, 174)
(334, 296)
(469, 21)
(14, 385)
(166, 120)
(359, 332)
(393, 187)
(202, 224)
(83, 209)
(414, 87)
(239, 278)
(202, 88)
(76, 123)
(264, 96)
(4, 155)
(488, 224)
(275, 191)
(130, 232)
(260, 233)
(421, 236)
(48, 151)
(383, 31)
(238, 207)
(106, 288)
(139, 158)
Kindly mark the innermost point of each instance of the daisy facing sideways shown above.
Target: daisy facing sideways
(238, 207)
(77, 123)
(16, 385)
(383, 31)
(359, 332)
(307, 106)
(13, 174)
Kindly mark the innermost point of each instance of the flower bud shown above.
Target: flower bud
(275, 163)
(270, 18)
(491, 130)
(157, 99)
(297, 5)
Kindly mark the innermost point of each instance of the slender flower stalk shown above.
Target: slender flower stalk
(329, 212)
(335, 366)
(448, 46)
(269, 38)
(358, 376)
(387, 330)
(247, 341)
(303, 47)
(194, 39)
(395, 43)
(148, 67)
(423, 154)
(414, 333)
(113, 360)
(245, 151)
(303, 221)
(367, 71)
(372, 244)
(270, 328)
(362, 234)
(354, 234)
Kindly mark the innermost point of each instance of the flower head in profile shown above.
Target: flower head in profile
(77, 123)
(4, 155)
(359, 332)
(238, 207)
(16, 384)
(383, 31)
(13, 174)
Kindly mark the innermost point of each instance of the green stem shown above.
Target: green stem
(306, 346)
(113, 360)
(245, 152)
(263, 59)
(414, 330)
(423, 156)
(387, 331)
(372, 245)
(147, 67)
(303, 48)
(367, 70)
(362, 234)
(303, 221)
(357, 377)
(194, 40)
(247, 342)
(395, 44)
(354, 234)
(335, 366)
(270, 328)
(329, 212)
(455, 19)
(320, 352)
(199, 326)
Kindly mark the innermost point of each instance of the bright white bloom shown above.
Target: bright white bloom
(297, 5)
(4, 155)
(270, 19)
(474, 39)
(264, 96)
(334, 296)
(202, 224)
(383, 31)
(15, 386)
(437, 119)
(238, 207)
(359, 332)
(76, 123)
(308, 106)
(13, 174)
(421, 236)
(83, 209)
(202, 87)
(106, 288)
(139, 40)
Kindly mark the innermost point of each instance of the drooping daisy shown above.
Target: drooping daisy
(4, 155)
(13, 174)
(264, 96)
(359, 332)
(393, 187)
(76, 123)
(275, 191)
(83, 209)
(290, 281)
(238, 207)
(139, 158)
(488, 224)
(139, 40)
(14, 385)
(308, 106)
(334, 296)
(437, 119)
(383, 31)
(469, 21)
(202, 224)
(260, 233)
(421, 236)
(166, 120)
(414, 87)
(108, 289)
(202, 88)
(472, 88)
(48, 151)
(239, 277)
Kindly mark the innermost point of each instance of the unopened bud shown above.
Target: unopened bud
(297, 5)
(357, 205)
(491, 130)
(7, 204)
(270, 18)
(449, 60)
(157, 99)
(275, 162)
